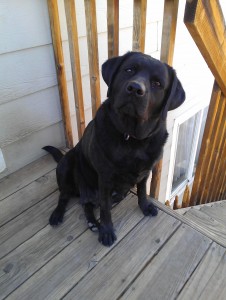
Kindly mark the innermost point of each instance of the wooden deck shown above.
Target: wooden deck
(178, 254)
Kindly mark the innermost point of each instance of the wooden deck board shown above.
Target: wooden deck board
(14, 182)
(28, 196)
(171, 268)
(169, 253)
(209, 280)
(126, 261)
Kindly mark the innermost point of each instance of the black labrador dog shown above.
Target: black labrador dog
(121, 144)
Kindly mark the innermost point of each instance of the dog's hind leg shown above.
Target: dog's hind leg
(57, 215)
(91, 220)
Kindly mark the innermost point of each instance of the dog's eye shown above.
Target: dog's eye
(155, 84)
(129, 70)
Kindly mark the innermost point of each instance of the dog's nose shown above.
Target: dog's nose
(137, 88)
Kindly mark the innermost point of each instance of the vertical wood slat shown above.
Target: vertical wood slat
(139, 24)
(61, 75)
(215, 140)
(218, 177)
(186, 197)
(169, 30)
(91, 28)
(113, 27)
(75, 64)
(203, 156)
(167, 49)
(215, 157)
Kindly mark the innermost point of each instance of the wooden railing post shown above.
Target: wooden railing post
(113, 27)
(75, 64)
(60, 67)
(91, 28)
(139, 24)
(167, 49)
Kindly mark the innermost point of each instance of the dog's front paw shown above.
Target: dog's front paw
(107, 235)
(149, 209)
(56, 217)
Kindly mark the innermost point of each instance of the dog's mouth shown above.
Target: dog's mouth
(137, 126)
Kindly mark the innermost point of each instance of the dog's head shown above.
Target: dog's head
(142, 90)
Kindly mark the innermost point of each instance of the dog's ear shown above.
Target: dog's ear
(110, 68)
(176, 94)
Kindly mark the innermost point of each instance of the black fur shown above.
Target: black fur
(120, 146)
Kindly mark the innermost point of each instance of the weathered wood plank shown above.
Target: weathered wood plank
(171, 268)
(209, 280)
(195, 223)
(206, 25)
(214, 229)
(130, 257)
(26, 175)
(169, 30)
(113, 27)
(75, 64)
(30, 256)
(25, 225)
(76, 260)
(60, 67)
(28, 196)
(217, 211)
(139, 24)
(91, 28)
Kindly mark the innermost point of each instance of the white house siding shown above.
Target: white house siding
(30, 112)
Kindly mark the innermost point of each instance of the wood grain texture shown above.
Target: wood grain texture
(26, 175)
(28, 196)
(60, 67)
(75, 64)
(122, 266)
(169, 30)
(205, 22)
(113, 27)
(216, 113)
(171, 268)
(34, 253)
(208, 225)
(91, 28)
(139, 24)
(25, 225)
(209, 280)
(76, 260)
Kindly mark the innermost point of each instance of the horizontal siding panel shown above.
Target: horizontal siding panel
(26, 72)
(29, 149)
(26, 115)
(23, 24)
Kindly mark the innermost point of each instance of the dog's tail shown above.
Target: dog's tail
(56, 153)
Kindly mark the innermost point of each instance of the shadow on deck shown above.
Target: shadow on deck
(174, 255)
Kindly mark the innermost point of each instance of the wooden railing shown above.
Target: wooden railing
(206, 26)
